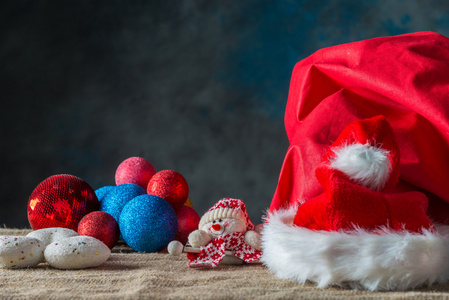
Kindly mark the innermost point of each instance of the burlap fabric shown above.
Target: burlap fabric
(130, 275)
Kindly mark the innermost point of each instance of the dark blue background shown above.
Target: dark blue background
(199, 87)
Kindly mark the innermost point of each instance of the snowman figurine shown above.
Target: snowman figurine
(225, 228)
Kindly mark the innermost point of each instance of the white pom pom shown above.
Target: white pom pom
(175, 248)
(367, 165)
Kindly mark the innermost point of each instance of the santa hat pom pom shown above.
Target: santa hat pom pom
(367, 165)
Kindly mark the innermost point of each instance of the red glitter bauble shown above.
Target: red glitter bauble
(61, 201)
(102, 226)
(171, 186)
(135, 170)
(188, 220)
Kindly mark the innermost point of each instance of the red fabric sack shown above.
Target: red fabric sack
(406, 79)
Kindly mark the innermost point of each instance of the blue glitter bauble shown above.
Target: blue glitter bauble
(148, 223)
(114, 201)
(103, 191)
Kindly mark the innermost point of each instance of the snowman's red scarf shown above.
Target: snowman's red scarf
(212, 254)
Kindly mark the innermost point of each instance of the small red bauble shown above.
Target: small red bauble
(102, 226)
(61, 201)
(135, 170)
(188, 220)
(171, 186)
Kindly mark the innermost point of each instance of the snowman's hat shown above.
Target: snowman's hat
(227, 208)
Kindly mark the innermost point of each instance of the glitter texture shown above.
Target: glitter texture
(103, 191)
(148, 223)
(135, 170)
(61, 201)
(188, 220)
(114, 201)
(171, 186)
(100, 225)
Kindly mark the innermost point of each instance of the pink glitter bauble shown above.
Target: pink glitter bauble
(171, 186)
(135, 170)
(102, 226)
(188, 220)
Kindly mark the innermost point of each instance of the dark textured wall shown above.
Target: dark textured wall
(195, 86)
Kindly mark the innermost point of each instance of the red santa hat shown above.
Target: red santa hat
(227, 208)
(361, 218)
(356, 169)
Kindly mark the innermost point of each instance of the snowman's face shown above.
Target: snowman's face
(224, 226)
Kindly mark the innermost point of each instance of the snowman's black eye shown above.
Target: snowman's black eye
(213, 222)
(220, 220)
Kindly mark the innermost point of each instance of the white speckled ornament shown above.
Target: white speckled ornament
(20, 251)
(50, 235)
(77, 252)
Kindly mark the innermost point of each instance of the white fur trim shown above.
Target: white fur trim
(358, 259)
(222, 213)
(365, 164)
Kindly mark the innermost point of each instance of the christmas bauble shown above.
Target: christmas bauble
(188, 203)
(61, 201)
(114, 201)
(148, 223)
(103, 191)
(135, 170)
(100, 225)
(188, 220)
(169, 185)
